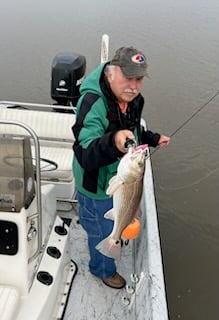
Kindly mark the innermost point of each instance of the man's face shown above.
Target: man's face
(125, 89)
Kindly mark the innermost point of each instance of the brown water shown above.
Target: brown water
(181, 41)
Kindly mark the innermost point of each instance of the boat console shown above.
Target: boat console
(34, 238)
(17, 187)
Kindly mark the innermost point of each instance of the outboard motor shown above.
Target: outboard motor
(68, 71)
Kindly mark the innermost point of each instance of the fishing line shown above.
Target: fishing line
(195, 113)
(188, 120)
(177, 130)
(188, 185)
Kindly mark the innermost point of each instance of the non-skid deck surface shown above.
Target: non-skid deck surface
(90, 298)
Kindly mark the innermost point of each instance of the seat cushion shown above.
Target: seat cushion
(62, 157)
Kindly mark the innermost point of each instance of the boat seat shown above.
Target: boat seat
(63, 158)
(9, 302)
(47, 125)
(54, 131)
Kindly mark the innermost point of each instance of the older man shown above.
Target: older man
(108, 113)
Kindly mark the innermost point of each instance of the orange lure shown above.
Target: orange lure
(132, 230)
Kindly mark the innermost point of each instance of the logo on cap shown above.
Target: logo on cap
(138, 58)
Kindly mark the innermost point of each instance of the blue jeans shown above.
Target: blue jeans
(91, 217)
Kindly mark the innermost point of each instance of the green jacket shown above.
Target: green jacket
(98, 119)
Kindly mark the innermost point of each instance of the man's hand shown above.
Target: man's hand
(164, 141)
(121, 137)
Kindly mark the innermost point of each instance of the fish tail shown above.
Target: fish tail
(110, 248)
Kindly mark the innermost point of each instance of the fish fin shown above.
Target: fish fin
(114, 184)
(110, 248)
(110, 214)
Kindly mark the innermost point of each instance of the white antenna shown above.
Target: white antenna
(104, 48)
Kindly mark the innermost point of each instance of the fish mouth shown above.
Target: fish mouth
(140, 152)
(142, 147)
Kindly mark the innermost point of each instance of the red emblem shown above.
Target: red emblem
(138, 58)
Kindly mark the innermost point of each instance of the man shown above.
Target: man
(108, 113)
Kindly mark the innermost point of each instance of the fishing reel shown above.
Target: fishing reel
(130, 144)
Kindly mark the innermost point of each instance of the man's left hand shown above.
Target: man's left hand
(164, 141)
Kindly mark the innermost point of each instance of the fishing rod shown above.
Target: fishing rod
(190, 118)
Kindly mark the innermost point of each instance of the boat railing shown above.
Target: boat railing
(37, 106)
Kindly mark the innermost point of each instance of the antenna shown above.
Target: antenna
(104, 48)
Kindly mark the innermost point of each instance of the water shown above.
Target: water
(181, 41)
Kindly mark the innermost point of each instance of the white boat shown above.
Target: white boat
(43, 251)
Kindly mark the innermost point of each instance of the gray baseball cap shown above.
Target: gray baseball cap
(131, 61)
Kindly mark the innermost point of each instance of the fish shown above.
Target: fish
(126, 187)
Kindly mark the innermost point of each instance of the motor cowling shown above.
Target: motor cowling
(68, 70)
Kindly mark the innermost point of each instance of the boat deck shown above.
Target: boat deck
(144, 296)
(141, 263)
